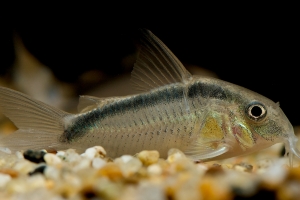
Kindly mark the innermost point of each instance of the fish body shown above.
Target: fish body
(206, 118)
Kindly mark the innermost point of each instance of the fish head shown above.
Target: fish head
(261, 123)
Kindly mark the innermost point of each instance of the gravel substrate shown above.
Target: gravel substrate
(92, 175)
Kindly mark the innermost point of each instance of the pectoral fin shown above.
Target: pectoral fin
(205, 152)
(210, 142)
(243, 136)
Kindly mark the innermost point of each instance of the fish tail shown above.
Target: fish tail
(39, 125)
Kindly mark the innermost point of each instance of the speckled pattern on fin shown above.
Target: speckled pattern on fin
(156, 65)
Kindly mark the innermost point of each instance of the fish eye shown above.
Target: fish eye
(256, 111)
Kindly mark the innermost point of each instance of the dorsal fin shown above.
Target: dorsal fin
(156, 65)
(87, 103)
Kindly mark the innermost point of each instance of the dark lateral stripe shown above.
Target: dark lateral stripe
(85, 122)
(206, 90)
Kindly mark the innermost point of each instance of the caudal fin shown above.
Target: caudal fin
(40, 125)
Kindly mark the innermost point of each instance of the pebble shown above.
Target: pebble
(148, 157)
(175, 155)
(40, 169)
(129, 165)
(112, 171)
(154, 170)
(34, 156)
(96, 151)
(82, 164)
(52, 173)
(244, 167)
(52, 159)
(12, 173)
(68, 175)
(4, 179)
(23, 166)
(97, 163)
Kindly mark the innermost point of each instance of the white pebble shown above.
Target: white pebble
(98, 163)
(154, 169)
(126, 158)
(52, 173)
(128, 164)
(83, 163)
(96, 151)
(61, 154)
(275, 174)
(4, 179)
(19, 155)
(175, 155)
(5, 150)
(52, 159)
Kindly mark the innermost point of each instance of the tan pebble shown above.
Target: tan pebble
(227, 166)
(52, 159)
(4, 179)
(96, 151)
(36, 181)
(24, 166)
(50, 184)
(154, 169)
(211, 188)
(12, 173)
(97, 163)
(111, 170)
(148, 157)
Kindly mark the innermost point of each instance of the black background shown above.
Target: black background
(257, 51)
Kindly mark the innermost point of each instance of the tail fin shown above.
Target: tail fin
(40, 125)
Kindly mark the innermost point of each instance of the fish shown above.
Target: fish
(206, 118)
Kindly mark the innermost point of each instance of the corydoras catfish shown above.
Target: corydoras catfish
(206, 118)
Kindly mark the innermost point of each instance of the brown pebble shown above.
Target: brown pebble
(215, 169)
(294, 173)
(10, 172)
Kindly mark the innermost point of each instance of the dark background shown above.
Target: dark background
(261, 54)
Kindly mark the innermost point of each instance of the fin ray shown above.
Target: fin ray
(39, 124)
(156, 65)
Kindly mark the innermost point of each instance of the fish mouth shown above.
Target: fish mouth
(291, 149)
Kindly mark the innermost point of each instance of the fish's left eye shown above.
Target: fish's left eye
(256, 111)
